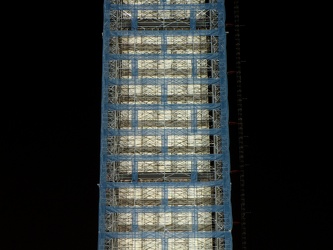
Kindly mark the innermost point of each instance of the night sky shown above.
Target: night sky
(52, 126)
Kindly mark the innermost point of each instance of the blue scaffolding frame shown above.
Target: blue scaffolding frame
(221, 130)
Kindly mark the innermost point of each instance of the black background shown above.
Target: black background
(51, 117)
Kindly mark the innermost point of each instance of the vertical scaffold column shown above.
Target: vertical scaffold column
(165, 163)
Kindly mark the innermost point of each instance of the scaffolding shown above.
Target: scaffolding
(165, 165)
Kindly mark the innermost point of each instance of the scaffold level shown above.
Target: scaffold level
(165, 163)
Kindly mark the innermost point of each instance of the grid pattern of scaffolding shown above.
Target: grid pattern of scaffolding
(165, 165)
